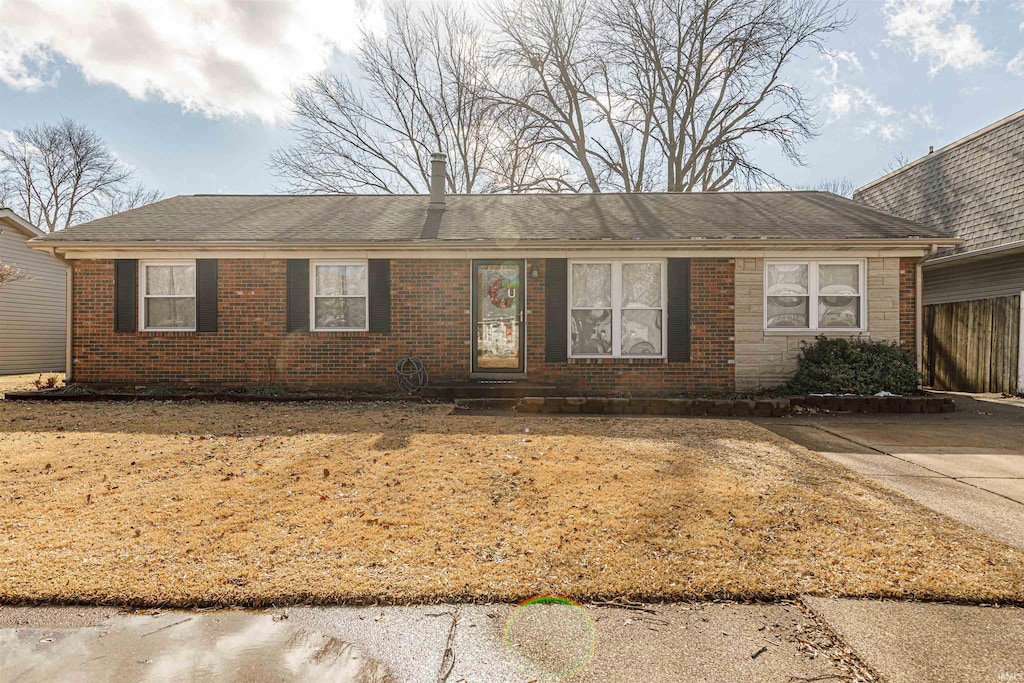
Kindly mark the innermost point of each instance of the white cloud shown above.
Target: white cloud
(836, 59)
(935, 31)
(870, 116)
(848, 99)
(843, 99)
(218, 57)
(896, 127)
(1016, 65)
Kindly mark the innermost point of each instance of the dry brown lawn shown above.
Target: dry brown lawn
(255, 504)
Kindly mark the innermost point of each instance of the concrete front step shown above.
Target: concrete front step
(489, 389)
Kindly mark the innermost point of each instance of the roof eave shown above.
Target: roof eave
(923, 242)
(976, 255)
(8, 216)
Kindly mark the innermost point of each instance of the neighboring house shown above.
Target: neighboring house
(33, 320)
(608, 293)
(974, 189)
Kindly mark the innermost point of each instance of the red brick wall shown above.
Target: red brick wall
(908, 305)
(430, 304)
(712, 301)
(429, 318)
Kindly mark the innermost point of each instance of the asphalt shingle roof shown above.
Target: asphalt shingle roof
(340, 219)
(972, 188)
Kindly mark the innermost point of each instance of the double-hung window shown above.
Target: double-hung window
(168, 296)
(814, 295)
(339, 298)
(617, 309)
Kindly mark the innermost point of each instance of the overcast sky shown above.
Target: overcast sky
(193, 95)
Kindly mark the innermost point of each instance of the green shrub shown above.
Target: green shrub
(835, 365)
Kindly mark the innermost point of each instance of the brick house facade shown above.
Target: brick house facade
(661, 294)
(430, 313)
(430, 310)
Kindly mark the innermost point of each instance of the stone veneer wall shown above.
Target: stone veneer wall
(765, 360)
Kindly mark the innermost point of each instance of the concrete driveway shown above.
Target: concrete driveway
(968, 464)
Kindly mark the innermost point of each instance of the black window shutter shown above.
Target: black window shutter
(206, 295)
(126, 313)
(298, 295)
(679, 309)
(556, 295)
(380, 295)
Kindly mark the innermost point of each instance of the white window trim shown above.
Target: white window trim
(313, 265)
(813, 295)
(143, 265)
(616, 306)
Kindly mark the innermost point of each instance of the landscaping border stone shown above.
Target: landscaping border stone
(700, 407)
(573, 405)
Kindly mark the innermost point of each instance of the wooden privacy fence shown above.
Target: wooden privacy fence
(973, 345)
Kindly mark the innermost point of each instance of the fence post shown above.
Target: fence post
(1020, 348)
(919, 318)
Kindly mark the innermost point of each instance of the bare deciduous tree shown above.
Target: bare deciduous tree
(665, 93)
(569, 95)
(716, 80)
(56, 175)
(899, 160)
(549, 47)
(417, 92)
(131, 196)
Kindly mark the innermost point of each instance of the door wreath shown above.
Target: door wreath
(502, 292)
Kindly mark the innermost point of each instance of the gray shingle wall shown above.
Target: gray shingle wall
(974, 188)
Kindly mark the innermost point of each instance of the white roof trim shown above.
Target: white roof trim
(11, 218)
(978, 254)
(442, 247)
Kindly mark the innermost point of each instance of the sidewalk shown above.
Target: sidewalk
(791, 641)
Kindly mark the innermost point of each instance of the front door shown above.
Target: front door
(499, 312)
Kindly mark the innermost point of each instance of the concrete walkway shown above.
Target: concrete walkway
(812, 639)
(439, 644)
(908, 642)
(968, 464)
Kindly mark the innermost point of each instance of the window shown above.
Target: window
(616, 308)
(168, 301)
(814, 295)
(339, 300)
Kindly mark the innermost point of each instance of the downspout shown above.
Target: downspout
(69, 293)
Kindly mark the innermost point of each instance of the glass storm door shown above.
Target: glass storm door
(498, 316)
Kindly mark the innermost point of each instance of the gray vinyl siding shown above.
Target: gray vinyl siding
(32, 311)
(974, 279)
